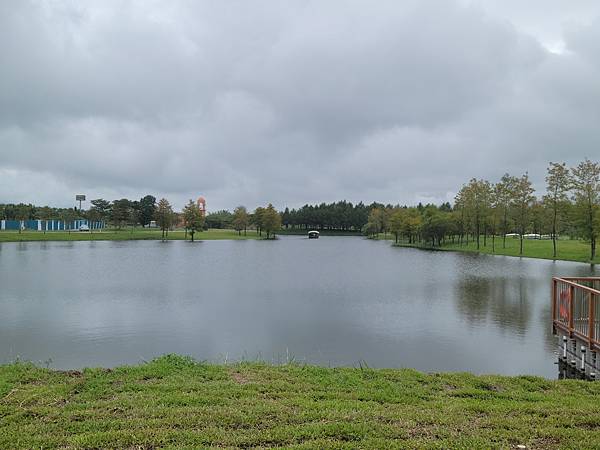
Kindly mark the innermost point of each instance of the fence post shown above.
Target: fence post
(571, 302)
(553, 304)
(591, 319)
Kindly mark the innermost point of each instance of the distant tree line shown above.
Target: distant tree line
(124, 213)
(118, 213)
(23, 212)
(483, 210)
(338, 216)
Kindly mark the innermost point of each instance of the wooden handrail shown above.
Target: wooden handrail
(586, 306)
(580, 278)
(572, 281)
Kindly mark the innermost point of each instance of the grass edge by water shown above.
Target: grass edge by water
(581, 255)
(174, 401)
(122, 235)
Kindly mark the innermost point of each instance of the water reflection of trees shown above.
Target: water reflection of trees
(501, 301)
(550, 340)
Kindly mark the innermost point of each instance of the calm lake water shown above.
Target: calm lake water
(332, 301)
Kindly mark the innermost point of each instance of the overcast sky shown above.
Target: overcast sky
(249, 102)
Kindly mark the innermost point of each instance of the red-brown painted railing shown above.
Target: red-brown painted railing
(576, 308)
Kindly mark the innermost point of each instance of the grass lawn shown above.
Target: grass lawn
(120, 235)
(174, 402)
(568, 250)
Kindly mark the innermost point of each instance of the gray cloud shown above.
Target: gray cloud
(289, 103)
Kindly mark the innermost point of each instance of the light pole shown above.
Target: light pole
(80, 198)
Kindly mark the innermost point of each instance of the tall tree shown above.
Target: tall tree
(558, 184)
(476, 196)
(397, 222)
(496, 213)
(258, 219)
(240, 219)
(147, 209)
(379, 217)
(120, 212)
(164, 216)
(103, 208)
(193, 219)
(271, 221)
(460, 210)
(286, 218)
(503, 192)
(586, 193)
(413, 224)
(436, 225)
(522, 198)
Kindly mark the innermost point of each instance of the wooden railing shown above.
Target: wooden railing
(576, 308)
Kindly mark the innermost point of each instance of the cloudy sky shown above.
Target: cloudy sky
(248, 102)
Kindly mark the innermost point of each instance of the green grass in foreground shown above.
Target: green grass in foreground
(120, 235)
(174, 402)
(568, 250)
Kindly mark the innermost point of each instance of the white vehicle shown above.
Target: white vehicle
(84, 228)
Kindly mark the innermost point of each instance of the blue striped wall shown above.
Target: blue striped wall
(48, 225)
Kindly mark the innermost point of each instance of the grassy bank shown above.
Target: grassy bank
(174, 402)
(118, 235)
(568, 250)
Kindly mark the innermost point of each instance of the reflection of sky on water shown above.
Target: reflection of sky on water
(332, 301)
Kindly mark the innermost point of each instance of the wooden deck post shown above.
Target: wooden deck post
(582, 339)
(553, 304)
(571, 303)
(591, 319)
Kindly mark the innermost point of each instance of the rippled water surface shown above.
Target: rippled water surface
(331, 301)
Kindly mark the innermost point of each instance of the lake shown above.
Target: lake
(335, 301)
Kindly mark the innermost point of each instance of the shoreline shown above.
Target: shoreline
(145, 235)
(577, 255)
(176, 401)
(498, 252)
(298, 232)
(122, 235)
